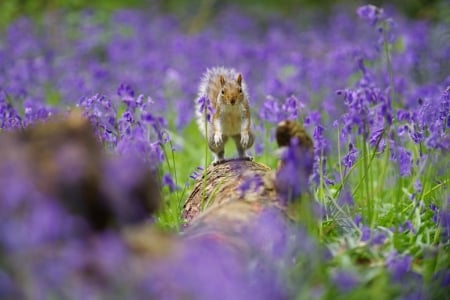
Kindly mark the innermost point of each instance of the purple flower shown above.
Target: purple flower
(274, 112)
(9, 117)
(431, 121)
(404, 161)
(365, 233)
(418, 186)
(376, 138)
(312, 119)
(378, 238)
(345, 198)
(358, 220)
(125, 92)
(197, 173)
(442, 217)
(212, 257)
(168, 181)
(292, 178)
(345, 280)
(406, 227)
(291, 107)
(350, 158)
(398, 265)
(320, 142)
(204, 106)
(270, 111)
(370, 13)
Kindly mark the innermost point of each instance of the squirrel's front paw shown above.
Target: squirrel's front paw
(244, 139)
(218, 138)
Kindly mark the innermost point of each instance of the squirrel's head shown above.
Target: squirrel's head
(231, 91)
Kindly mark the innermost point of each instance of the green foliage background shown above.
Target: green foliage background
(11, 9)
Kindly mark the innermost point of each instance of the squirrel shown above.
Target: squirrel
(228, 98)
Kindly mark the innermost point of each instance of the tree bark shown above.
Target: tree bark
(229, 195)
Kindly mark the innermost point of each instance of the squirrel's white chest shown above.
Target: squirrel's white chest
(231, 120)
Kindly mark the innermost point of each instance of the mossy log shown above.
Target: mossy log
(229, 195)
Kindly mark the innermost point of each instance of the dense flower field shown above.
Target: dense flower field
(372, 89)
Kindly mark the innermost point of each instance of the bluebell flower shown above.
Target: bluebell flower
(398, 265)
(370, 13)
(168, 181)
(349, 159)
(205, 107)
(404, 161)
(292, 179)
(366, 233)
(345, 198)
(345, 280)
(197, 173)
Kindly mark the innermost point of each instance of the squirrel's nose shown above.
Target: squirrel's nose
(232, 101)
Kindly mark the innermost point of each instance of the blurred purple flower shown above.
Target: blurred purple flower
(292, 179)
(197, 173)
(125, 92)
(418, 186)
(320, 142)
(349, 159)
(404, 160)
(366, 233)
(210, 262)
(376, 138)
(378, 238)
(270, 111)
(9, 117)
(406, 227)
(442, 218)
(168, 181)
(204, 106)
(345, 280)
(345, 198)
(370, 13)
(432, 120)
(358, 220)
(372, 236)
(398, 265)
(274, 111)
(313, 119)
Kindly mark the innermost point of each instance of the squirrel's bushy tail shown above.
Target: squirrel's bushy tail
(202, 112)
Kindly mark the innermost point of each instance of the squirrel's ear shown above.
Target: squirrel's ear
(222, 80)
(239, 79)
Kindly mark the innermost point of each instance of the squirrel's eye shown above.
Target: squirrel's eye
(223, 92)
(240, 91)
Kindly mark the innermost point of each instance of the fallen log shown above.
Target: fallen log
(229, 195)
